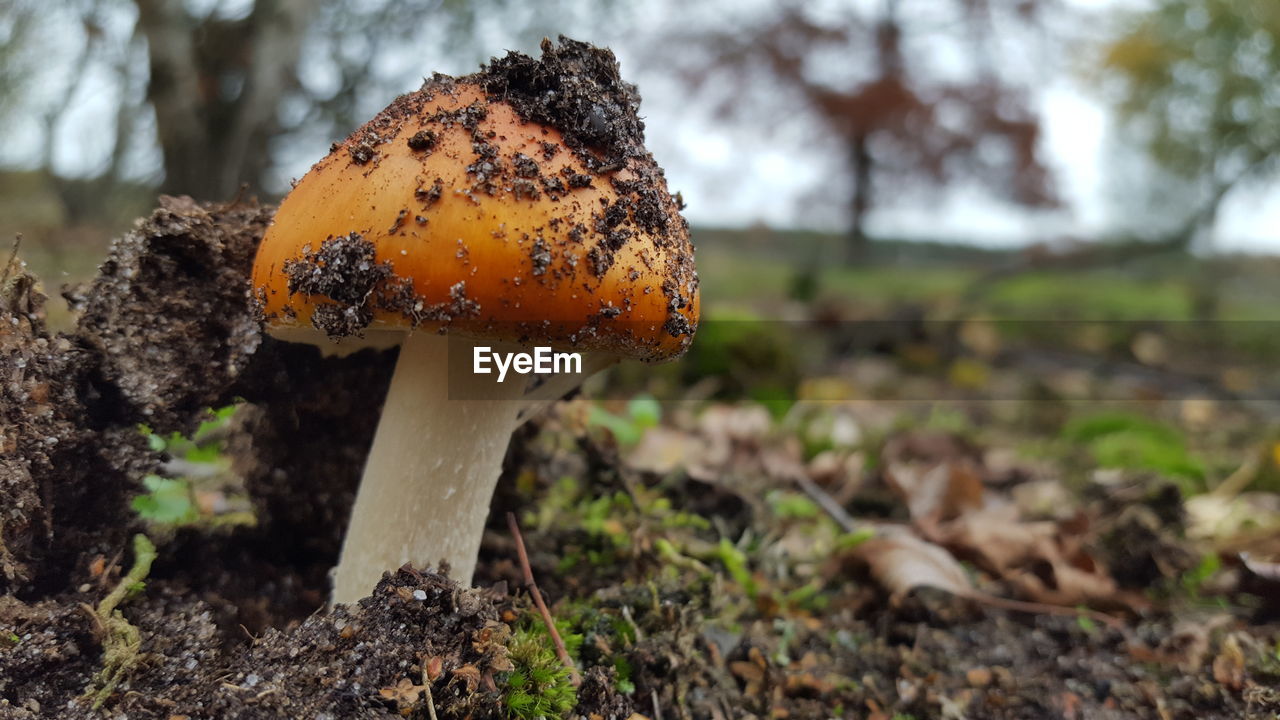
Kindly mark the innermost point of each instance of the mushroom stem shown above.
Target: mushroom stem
(432, 469)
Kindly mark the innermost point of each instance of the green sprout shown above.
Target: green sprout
(642, 413)
(121, 641)
(786, 504)
(1194, 579)
(735, 562)
(170, 501)
(166, 501)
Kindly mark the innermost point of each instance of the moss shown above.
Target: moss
(735, 562)
(611, 527)
(539, 686)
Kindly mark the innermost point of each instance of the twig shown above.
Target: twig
(532, 586)
(828, 503)
(426, 685)
(1036, 608)
(1243, 476)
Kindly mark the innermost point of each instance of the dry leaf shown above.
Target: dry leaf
(1265, 569)
(754, 671)
(434, 667)
(740, 423)
(662, 450)
(1039, 559)
(1228, 667)
(941, 492)
(901, 562)
(1185, 647)
(927, 447)
(749, 672)
(1224, 519)
(470, 675)
(404, 693)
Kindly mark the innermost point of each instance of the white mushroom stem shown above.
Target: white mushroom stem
(435, 460)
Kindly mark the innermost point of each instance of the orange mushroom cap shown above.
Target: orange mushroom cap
(453, 210)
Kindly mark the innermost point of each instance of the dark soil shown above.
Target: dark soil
(231, 620)
(73, 462)
(576, 88)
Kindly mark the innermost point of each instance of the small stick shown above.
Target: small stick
(426, 686)
(429, 678)
(828, 503)
(529, 582)
(1036, 608)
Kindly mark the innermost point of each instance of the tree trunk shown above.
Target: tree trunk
(1206, 288)
(174, 93)
(215, 86)
(856, 248)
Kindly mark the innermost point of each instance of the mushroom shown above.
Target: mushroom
(506, 210)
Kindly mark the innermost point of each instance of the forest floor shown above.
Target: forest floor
(848, 514)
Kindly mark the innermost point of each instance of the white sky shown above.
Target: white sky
(783, 178)
(1077, 135)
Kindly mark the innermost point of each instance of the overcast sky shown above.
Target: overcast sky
(736, 175)
(703, 159)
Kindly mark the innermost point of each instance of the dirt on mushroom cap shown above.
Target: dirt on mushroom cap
(465, 181)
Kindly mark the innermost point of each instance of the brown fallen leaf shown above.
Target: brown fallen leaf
(1228, 666)
(928, 447)
(754, 671)
(941, 492)
(901, 562)
(662, 450)
(404, 693)
(470, 676)
(1045, 561)
(433, 668)
(739, 423)
(1185, 647)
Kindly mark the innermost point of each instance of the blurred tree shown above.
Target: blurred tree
(1195, 83)
(225, 84)
(214, 85)
(900, 121)
(14, 24)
